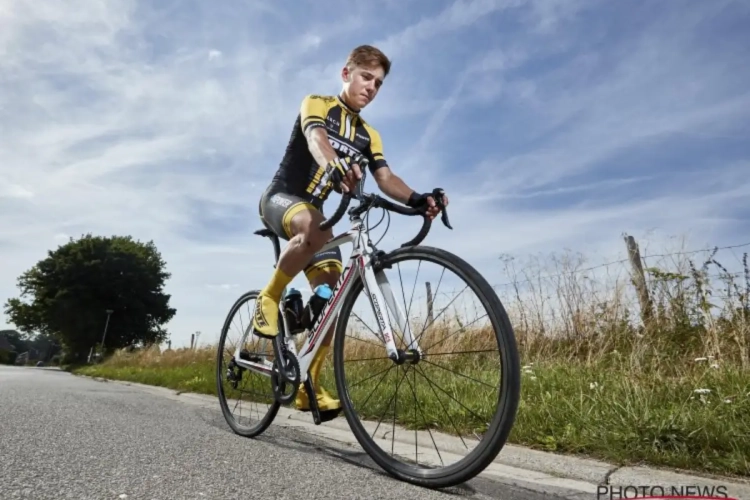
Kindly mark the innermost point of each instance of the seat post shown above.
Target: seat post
(276, 249)
(274, 240)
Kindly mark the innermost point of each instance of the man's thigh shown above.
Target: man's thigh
(277, 211)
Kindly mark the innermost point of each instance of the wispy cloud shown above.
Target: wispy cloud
(551, 124)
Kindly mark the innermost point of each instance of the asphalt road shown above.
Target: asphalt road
(63, 436)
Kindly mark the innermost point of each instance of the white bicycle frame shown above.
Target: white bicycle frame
(375, 284)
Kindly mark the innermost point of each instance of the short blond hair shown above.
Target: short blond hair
(368, 56)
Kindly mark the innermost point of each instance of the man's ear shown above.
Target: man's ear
(345, 73)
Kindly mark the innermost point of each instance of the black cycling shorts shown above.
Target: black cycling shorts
(276, 210)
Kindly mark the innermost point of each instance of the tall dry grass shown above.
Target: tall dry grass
(565, 309)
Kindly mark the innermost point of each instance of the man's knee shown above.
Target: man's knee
(305, 228)
(324, 268)
(317, 277)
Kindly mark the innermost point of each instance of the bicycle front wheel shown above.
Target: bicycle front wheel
(461, 396)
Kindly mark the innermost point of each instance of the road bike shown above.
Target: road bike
(365, 271)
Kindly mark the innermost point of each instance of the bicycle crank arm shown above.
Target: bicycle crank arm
(312, 398)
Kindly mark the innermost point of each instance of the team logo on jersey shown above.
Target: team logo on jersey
(347, 149)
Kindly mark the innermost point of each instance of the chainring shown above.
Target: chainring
(280, 381)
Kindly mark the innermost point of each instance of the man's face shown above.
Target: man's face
(361, 84)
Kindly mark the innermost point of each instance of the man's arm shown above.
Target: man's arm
(313, 112)
(392, 185)
(388, 182)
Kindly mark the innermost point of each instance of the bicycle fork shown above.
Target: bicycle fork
(378, 289)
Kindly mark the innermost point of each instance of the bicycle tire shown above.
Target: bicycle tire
(270, 415)
(502, 423)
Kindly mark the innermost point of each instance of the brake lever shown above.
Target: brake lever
(437, 195)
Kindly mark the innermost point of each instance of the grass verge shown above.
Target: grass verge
(597, 381)
(695, 419)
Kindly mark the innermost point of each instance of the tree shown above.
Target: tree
(45, 345)
(69, 292)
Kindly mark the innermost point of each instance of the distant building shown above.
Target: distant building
(5, 344)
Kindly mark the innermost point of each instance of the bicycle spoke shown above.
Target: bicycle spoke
(445, 410)
(355, 384)
(393, 429)
(424, 420)
(389, 402)
(458, 373)
(366, 326)
(449, 395)
(413, 289)
(379, 382)
(424, 328)
(433, 354)
(367, 359)
(454, 333)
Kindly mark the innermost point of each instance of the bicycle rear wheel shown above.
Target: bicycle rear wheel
(438, 416)
(234, 380)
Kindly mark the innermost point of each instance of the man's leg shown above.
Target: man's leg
(325, 267)
(299, 221)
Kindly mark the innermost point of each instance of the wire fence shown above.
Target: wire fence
(555, 297)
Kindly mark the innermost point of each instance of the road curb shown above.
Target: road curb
(515, 464)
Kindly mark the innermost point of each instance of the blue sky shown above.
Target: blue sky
(554, 124)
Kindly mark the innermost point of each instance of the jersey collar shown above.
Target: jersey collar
(345, 106)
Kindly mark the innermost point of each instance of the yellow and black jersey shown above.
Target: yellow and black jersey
(299, 174)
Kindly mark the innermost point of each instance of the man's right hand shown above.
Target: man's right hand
(352, 177)
(348, 174)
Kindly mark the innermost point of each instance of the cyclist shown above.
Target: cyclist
(329, 131)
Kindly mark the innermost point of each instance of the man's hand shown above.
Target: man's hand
(433, 210)
(352, 177)
(418, 200)
(345, 174)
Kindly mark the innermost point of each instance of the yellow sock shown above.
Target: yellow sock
(274, 288)
(317, 364)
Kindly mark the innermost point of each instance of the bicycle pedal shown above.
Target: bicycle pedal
(328, 415)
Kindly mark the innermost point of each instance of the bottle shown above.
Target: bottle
(293, 310)
(317, 301)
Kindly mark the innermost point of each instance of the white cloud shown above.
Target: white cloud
(118, 119)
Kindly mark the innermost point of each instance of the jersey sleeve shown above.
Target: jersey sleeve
(376, 156)
(313, 112)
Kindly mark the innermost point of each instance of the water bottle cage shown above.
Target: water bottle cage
(293, 311)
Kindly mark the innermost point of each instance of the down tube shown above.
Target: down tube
(327, 317)
(381, 313)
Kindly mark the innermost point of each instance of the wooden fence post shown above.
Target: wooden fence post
(639, 279)
(429, 303)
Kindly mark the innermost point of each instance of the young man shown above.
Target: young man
(328, 132)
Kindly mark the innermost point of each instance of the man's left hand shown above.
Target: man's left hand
(427, 198)
(432, 209)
